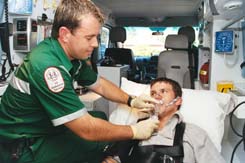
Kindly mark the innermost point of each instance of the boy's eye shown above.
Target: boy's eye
(153, 93)
(163, 91)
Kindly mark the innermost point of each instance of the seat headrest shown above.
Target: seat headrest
(189, 32)
(179, 42)
(117, 34)
(121, 55)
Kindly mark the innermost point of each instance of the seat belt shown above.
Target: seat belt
(243, 63)
(191, 65)
(129, 151)
(177, 150)
(160, 153)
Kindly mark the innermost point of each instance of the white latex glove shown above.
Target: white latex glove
(143, 101)
(112, 159)
(143, 113)
(144, 129)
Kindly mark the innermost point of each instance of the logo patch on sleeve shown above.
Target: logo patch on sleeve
(54, 79)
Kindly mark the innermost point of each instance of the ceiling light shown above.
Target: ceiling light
(231, 5)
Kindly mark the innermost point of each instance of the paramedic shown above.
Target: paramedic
(197, 146)
(41, 117)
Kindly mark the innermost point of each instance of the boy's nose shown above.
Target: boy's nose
(158, 96)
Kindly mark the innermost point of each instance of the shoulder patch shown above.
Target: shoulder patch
(54, 79)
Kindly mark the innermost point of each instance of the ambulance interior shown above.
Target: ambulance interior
(134, 35)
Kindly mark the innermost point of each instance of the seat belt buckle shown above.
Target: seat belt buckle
(167, 159)
(15, 154)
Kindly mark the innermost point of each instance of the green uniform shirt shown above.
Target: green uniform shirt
(40, 96)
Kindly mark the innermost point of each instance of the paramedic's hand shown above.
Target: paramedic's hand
(145, 128)
(143, 113)
(143, 101)
(112, 159)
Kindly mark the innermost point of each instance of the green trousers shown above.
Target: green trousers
(65, 148)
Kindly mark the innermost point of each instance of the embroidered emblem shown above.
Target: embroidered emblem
(54, 79)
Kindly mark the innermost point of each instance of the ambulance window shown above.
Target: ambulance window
(103, 42)
(144, 43)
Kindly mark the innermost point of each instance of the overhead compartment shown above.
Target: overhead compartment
(223, 9)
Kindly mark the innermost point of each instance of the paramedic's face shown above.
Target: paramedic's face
(162, 91)
(81, 42)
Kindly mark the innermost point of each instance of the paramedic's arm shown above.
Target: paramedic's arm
(112, 92)
(95, 129)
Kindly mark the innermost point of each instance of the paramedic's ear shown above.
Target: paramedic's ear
(64, 34)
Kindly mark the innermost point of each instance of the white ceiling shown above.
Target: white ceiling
(151, 12)
(151, 8)
(165, 12)
(230, 9)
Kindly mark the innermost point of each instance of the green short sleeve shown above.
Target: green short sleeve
(57, 96)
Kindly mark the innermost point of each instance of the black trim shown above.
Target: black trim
(129, 100)
(213, 8)
(191, 66)
(243, 64)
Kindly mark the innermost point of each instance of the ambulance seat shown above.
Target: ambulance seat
(190, 33)
(122, 55)
(174, 62)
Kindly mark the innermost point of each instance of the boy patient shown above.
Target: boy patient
(190, 144)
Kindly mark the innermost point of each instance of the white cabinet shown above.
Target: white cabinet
(114, 73)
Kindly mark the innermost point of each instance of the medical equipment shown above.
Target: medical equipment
(173, 101)
(224, 41)
(225, 86)
(157, 109)
(204, 57)
(204, 73)
(156, 113)
(24, 33)
(5, 32)
(21, 7)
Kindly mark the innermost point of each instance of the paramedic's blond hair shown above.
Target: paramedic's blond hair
(70, 13)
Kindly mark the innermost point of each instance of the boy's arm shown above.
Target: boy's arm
(201, 147)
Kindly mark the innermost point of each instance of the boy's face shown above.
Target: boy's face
(164, 92)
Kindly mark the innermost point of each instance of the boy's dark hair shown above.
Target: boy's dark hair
(175, 85)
